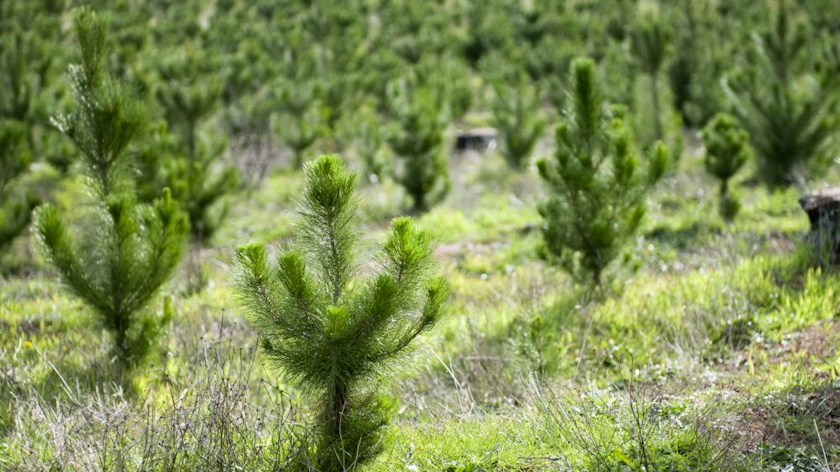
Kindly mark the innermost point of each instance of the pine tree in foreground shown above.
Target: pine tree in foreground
(727, 150)
(335, 335)
(789, 115)
(596, 183)
(129, 250)
(517, 116)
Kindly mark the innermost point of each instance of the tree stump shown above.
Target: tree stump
(823, 208)
(481, 140)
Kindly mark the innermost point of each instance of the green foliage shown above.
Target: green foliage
(789, 115)
(129, 251)
(189, 94)
(15, 207)
(650, 42)
(727, 150)
(694, 73)
(596, 183)
(332, 335)
(416, 136)
(517, 116)
(370, 147)
(302, 120)
(107, 117)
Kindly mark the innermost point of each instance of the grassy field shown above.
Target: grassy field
(718, 353)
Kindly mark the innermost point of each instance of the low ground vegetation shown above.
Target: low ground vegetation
(581, 297)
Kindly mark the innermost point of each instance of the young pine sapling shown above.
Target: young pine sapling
(790, 116)
(517, 116)
(333, 333)
(189, 94)
(131, 250)
(727, 150)
(596, 183)
(420, 121)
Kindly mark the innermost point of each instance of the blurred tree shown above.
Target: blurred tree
(131, 250)
(15, 206)
(790, 114)
(649, 42)
(370, 146)
(595, 183)
(727, 150)
(416, 136)
(189, 93)
(519, 121)
(334, 336)
(302, 119)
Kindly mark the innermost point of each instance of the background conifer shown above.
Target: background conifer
(727, 150)
(788, 113)
(15, 204)
(189, 94)
(596, 182)
(416, 137)
(517, 116)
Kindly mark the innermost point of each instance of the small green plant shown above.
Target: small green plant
(789, 115)
(332, 335)
(727, 150)
(15, 207)
(596, 183)
(130, 250)
(516, 114)
(417, 138)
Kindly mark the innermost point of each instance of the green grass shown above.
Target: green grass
(713, 310)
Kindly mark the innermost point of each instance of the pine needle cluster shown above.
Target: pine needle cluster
(130, 250)
(596, 182)
(333, 333)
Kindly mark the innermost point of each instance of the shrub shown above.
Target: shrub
(727, 150)
(595, 183)
(130, 251)
(332, 335)
(517, 116)
(787, 113)
(416, 136)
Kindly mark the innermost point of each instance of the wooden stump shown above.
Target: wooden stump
(481, 140)
(823, 208)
